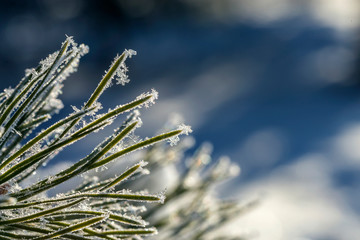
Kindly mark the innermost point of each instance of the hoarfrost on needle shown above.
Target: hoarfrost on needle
(186, 129)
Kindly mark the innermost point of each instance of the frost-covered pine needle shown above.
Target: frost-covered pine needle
(103, 204)
(94, 209)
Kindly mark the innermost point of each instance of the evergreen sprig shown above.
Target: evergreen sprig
(83, 212)
(102, 206)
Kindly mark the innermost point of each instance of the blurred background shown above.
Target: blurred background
(274, 84)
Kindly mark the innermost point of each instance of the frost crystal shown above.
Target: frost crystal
(185, 129)
(83, 49)
(75, 109)
(121, 72)
(142, 163)
(162, 196)
(174, 140)
(130, 52)
(8, 92)
(47, 62)
(154, 95)
(30, 71)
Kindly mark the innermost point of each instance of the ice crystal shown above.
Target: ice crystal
(49, 60)
(8, 92)
(174, 140)
(185, 129)
(121, 73)
(153, 96)
(130, 52)
(31, 71)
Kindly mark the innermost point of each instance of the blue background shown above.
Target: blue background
(267, 91)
